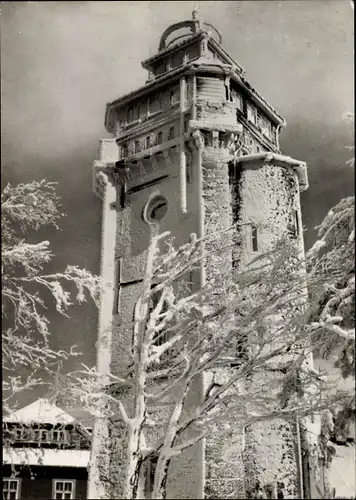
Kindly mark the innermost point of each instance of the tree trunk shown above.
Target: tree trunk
(134, 460)
(160, 483)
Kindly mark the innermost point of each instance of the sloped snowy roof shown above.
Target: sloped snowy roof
(41, 411)
(46, 456)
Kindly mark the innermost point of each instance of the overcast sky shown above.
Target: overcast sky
(62, 61)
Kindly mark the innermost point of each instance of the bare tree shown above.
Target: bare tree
(227, 334)
(29, 361)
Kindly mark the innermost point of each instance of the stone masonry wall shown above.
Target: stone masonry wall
(224, 476)
(185, 478)
(269, 198)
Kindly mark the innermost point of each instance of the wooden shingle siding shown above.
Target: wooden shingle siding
(210, 89)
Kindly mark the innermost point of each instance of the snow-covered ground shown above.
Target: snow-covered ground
(343, 466)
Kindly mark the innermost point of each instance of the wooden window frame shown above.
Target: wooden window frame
(55, 491)
(124, 151)
(174, 97)
(171, 136)
(254, 238)
(59, 432)
(253, 112)
(18, 487)
(130, 114)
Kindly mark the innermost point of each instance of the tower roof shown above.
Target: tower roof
(178, 39)
(190, 28)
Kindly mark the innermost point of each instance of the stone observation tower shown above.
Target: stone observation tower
(194, 124)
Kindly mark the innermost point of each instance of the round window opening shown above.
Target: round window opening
(156, 209)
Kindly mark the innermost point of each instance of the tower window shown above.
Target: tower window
(174, 96)
(251, 114)
(188, 168)
(124, 151)
(159, 138)
(130, 114)
(171, 133)
(254, 238)
(177, 59)
(296, 222)
(293, 224)
(155, 103)
(266, 128)
(137, 112)
(236, 97)
(221, 139)
(227, 93)
(155, 209)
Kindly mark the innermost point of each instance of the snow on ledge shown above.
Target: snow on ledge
(286, 161)
(47, 457)
(39, 412)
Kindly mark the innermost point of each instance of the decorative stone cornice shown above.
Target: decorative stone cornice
(128, 169)
(211, 125)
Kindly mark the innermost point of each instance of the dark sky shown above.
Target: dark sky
(62, 61)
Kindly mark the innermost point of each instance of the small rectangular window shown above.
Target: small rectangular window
(251, 114)
(228, 96)
(186, 126)
(44, 435)
(130, 114)
(10, 488)
(148, 141)
(177, 59)
(137, 112)
(63, 488)
(188, 168)
(171, 133)
(137, 146)
(59, 436)
(124, 151)
(236, 97)
(254, 238)
(296, 223)
(266, 127)
(155, 103)
(174, 96)
(159, 138)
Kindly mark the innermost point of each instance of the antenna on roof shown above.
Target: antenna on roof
(195, 17)
(195, 13)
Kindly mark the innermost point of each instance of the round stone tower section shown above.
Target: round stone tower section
(216, 198)
(266, 195)
(224, 470)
